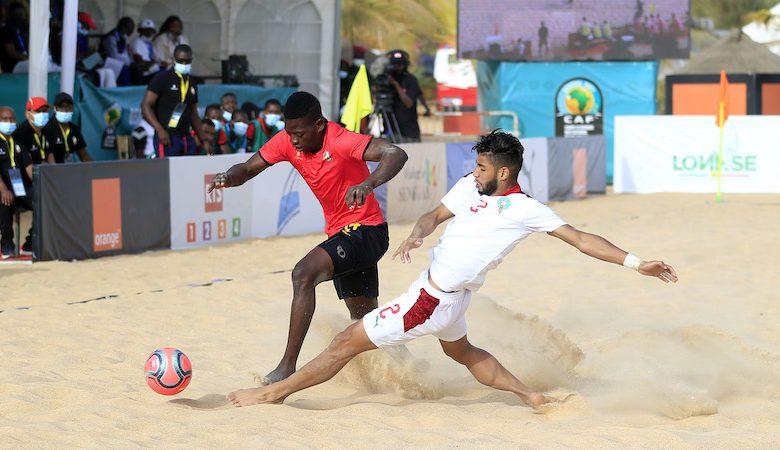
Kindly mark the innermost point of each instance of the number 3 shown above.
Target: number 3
(393, 309)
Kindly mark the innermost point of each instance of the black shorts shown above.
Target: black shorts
(355, 251)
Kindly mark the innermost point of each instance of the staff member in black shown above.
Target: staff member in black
(30, 135)
(13, 162)
(407, 92)
(170, 105)
(63, 135)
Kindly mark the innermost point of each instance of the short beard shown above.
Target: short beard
(489, 188)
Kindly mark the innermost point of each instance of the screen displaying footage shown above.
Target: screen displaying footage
(579, 30)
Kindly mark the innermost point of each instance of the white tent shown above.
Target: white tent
(768, 34)
(288, 37)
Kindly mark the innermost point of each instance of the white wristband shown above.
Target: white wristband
(632, 261)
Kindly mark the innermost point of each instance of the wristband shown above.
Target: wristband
(632, 262)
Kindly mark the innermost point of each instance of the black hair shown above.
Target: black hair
(125, 21)
(239, 112)
(184, 48)
(503, 149)
(302, 104)
(272, 101)
(210, 107)
(14, 6)
(209, 124)
(167, 24)
(251, 110)
(228, 94)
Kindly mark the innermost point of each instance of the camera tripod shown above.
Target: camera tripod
(389, 122)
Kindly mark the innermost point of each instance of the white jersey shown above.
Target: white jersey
(484, 230)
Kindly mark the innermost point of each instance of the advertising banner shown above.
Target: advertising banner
(97, 209)
(283, 204)
(576, 167)
(199, 218)
(420, 185)
(680, 154)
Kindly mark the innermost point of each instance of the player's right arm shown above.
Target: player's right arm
(239, 173)
(425, 225)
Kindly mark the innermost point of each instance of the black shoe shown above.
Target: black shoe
(7, 252)
(26, 247)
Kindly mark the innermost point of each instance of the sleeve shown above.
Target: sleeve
(413, 88)
(276, 150)
(250, 132)
(6, 35)
(111, 47)
(457, 197)
(541, 218)
(23, 158)
(355, 143)
(157, 84)
(194, 95)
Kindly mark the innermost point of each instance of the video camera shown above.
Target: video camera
(381, 70)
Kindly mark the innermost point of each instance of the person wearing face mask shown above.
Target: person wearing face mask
(63, 135)
(13, 162)
(267, 125)
(229, 104)
(166, 41)
(220, 142)
(142, 51)
(237, 136)
(29, 134)
(14, 38)
(170, 106)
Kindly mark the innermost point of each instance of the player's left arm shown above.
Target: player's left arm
(600, 248)
(391, 160)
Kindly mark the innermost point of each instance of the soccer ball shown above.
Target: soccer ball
(168, 371)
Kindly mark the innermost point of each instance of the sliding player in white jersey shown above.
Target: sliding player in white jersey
(490, 216)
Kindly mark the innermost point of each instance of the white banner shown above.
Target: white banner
(680, 154)
(283, 204)
(199, 218)
(533, 178)
(420, 185)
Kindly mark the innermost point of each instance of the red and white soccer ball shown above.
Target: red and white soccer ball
(168, 371)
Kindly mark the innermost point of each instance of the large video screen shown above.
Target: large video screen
(566, 30)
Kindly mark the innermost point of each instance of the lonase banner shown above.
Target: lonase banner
(686, 158)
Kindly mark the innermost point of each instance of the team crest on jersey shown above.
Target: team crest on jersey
(298, 155)
(503, 203)
(326, 156)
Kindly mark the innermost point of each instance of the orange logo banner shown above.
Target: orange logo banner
(213, 200)
(106, 214)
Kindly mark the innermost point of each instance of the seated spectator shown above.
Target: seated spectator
(13, 162)
(237, 135)
(85, 25)
(14, 38)
(142, 52)
(115, 49)
(64, 136)
(166, 41)
(267, 125)
(208, 133)
(229, 104)
(214, 114)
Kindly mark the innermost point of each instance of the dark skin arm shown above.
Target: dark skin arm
(147, 109)
(6, 195)
(405, 99)
(83, 155)
(10, 50)
(391, 160)
(239, 173)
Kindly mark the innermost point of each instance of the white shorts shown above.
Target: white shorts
(421, 311)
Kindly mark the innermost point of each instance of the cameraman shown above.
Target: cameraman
(407, 91)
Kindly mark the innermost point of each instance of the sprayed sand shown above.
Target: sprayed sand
(651, 365)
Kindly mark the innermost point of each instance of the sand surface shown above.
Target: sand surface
(651, 365)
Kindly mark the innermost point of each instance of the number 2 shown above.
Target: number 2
(393, 309)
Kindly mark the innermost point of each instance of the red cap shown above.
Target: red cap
(86, 19)
(36, 103)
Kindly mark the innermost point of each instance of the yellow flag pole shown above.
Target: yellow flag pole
(721, 122)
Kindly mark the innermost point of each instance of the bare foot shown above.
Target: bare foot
(276, 375)
(537, 400)
(248, 397)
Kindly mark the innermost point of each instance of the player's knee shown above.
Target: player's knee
(304, 276)
(340, 346)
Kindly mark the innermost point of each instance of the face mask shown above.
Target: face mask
(182, 69)
(81, 30)
(217, 124)
(227, 115)
(280, 125)
(63, 116)
(40, 119)
(343, 74)
(272, 119)
(7, 127)
(240, 128)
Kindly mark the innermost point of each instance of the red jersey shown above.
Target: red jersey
(336, 167)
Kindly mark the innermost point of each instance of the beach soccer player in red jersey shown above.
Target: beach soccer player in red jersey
(332, 160)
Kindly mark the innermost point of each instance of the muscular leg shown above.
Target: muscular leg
(345, 346)
(360, 306)
(488, 371)
(310, 271)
